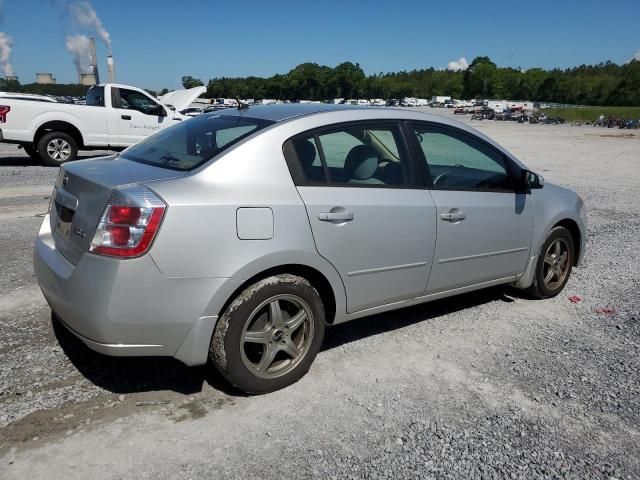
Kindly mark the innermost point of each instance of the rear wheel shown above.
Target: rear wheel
(55, 148)
(554, 264)
(269, 335)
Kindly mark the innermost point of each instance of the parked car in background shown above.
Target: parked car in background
(238, 237)
(114, 117)
(192, 111)
(214, 108)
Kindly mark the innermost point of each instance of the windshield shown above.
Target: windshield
(193, 142)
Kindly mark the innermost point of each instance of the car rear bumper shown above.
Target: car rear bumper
(127, 307)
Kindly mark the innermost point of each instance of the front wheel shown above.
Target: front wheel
(269, 336)
(56, 148)
(554, 264)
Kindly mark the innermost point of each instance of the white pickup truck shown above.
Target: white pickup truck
(114, 117)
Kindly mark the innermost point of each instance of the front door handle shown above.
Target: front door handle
(453, 216)
(125, 117)
(341, 216)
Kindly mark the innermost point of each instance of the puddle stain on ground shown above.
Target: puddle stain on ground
(43, 426)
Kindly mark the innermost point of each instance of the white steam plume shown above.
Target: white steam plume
(84, 14)
(636, 56)
(6, 42)
(456, 66)
(79, 47)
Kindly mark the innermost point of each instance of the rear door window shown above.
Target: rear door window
(193, 142)
(355, 155)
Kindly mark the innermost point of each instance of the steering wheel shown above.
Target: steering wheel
(439, 178)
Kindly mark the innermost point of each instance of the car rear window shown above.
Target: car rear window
(193, 142)
(95, 97)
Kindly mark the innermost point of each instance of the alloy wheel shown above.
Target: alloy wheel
(556, 264)
(277, 336)
(59, 149)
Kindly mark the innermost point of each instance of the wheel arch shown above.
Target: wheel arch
(576, 236)
(315, 277)
(59, 126)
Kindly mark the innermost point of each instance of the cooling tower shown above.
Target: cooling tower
(45, 78)
(111, 69)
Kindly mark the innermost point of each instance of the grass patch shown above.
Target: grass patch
(591, 114)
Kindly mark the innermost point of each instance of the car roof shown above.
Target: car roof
(281, 112)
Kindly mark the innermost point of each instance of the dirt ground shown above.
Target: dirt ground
(484, 385)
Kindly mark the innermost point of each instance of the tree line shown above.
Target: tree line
(603, 84)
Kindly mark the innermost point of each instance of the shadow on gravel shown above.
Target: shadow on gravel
(19, 162)
(146, 374)
(137, 374)
(355, 330)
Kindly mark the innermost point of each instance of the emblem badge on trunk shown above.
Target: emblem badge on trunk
(65, 180)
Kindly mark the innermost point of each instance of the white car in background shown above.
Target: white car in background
(192, 111)
(114, 117)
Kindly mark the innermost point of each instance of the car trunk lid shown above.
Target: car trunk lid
(81, 194)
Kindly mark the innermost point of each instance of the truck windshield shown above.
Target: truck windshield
(193, 142)
(95, 97)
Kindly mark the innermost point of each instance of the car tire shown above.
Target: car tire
(269, 335)
(56, 148)
(554, 265)
(32, 152)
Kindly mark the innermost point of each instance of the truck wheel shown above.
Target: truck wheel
(32, 152)
(269, 335)
(56, 148)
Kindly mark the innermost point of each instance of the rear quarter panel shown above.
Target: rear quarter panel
(199, 238)
(92, 122)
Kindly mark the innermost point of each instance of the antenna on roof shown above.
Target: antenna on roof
(241, 105)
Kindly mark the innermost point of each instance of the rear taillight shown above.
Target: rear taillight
(4, 111)
(129, 223)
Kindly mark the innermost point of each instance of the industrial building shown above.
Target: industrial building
(88, 79)
(45, 78)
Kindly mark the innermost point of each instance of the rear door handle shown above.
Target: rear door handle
(125, 117)
(343, 216)
(453, 216)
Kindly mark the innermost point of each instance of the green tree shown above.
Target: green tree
(189, 82)
(349, 79)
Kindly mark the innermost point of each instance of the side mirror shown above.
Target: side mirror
(161, 111)
(530, 180)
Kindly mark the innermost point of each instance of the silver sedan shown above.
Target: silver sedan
(237, 236)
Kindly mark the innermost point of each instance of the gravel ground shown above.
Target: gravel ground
(485, 385)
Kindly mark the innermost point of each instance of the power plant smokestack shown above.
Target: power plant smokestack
(94, 59)
(111, 69)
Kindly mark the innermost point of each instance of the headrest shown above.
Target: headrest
(306, 151)
(361, 162)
